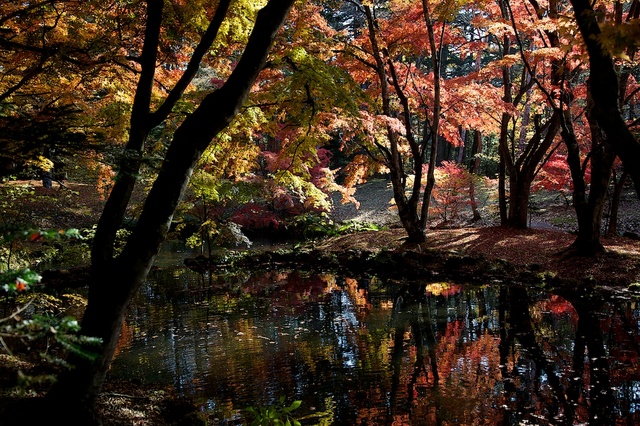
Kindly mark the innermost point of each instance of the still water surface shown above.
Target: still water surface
(372, 352)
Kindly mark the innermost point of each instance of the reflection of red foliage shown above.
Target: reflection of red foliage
(559, 306)
(305, 286)
(290, 289)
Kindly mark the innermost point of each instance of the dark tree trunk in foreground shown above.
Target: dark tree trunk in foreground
(606, 93)
(115, 281)
(588, 204)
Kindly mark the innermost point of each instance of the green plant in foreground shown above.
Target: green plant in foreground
(353, 226)
(40, 333)
(277, 414)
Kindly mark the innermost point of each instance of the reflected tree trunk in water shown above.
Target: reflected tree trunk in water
(396, 362)
(589, 351)
(411, 311)
(506, 347)
(601, 398)
(576, 385)
(520, 326)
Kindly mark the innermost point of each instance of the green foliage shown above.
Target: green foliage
(12, 200)
(17, 281)
(62, 331)
(37, 325)
(202, 218)
(312, 225)
(219, 234)
(278, 414)
(353, 226)
(620, 39)
(319, 225)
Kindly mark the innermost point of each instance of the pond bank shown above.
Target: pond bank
(466, 254)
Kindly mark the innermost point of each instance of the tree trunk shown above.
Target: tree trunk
(606, 94)
(618, 185)
(474, 166)
(589, 207)
(112, 288)
(502, 192)
(519, 192)
(523, 169)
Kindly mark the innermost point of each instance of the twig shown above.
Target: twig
(122, 395)
(13, 315)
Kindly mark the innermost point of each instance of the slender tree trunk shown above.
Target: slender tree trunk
(73, 396)
(474, 165)
(437, 106)
(502, 191)
(618, 185)
(506, 162)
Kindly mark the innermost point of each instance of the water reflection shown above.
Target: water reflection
(372, 352)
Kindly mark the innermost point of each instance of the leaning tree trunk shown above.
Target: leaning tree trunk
(111, 290)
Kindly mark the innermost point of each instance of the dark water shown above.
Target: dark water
(369, 352)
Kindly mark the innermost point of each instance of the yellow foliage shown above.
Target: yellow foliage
(41, 163)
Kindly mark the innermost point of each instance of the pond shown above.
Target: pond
(367, 351)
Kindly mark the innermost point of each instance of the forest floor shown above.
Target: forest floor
(543, 245)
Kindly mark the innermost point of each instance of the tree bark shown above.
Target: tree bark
(474, 166)
(523, 170)
(606, 93)
(111, 289)
(618, 185)
(589, 206)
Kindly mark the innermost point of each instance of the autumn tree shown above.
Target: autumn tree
(607, 140)
(115, 278)
(63, 68)
(272, 156)
(397, 57)
(528, 129)
(589, 151)
(606, 92)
